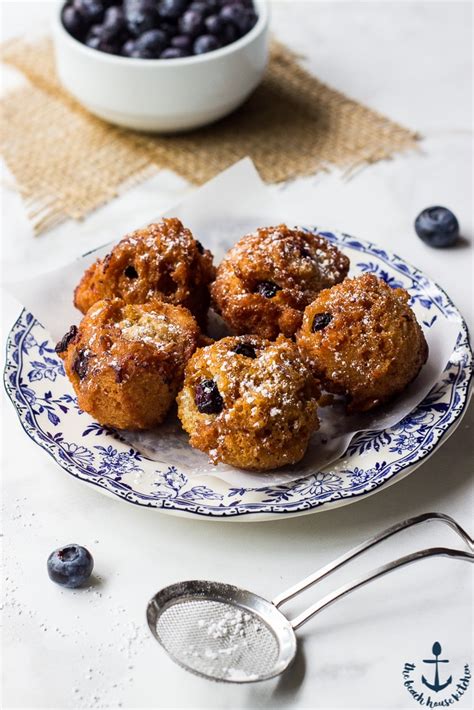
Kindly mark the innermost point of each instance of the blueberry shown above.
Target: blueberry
(199, 6)
(128, 48)
(98, 39)
(228, 34)
(207, 398)
(245, 3)
(199, 247)
(91, 10)
(70, 566)
(152, 42)
(246, 350)
(320, 321)
(437, 227)
(93, 41)
(191, 23)
(169, 28)
(131, 272)
(74, 22)
(140, 54)
(267, 289)
(251, 20)
(214, 24)
(182, 42)
(109, 48)
(233, 12)
(114, 23)
(140, 16)
(114, 15)
(104, 46)
(206, 43)
(95, 31)
(174, 53)
(305, 252)
(239, 16)
(66, 339)
(205, 6)
(81, 364)
(172, 8)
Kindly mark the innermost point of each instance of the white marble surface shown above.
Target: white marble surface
(91, 648)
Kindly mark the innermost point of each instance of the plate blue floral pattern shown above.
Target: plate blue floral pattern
(48, 411)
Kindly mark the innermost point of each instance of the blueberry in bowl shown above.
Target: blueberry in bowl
(70, 566)
(161, 65)
(146, 29)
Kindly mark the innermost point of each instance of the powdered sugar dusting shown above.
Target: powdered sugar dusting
(294, 259)
(151, 328)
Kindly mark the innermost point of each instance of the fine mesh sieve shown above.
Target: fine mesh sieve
(218, 637)
(221, 632)
(229, 634)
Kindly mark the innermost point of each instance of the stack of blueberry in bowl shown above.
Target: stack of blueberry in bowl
(112, 56)
(158, 29)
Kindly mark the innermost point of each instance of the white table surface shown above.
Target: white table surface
(91, 648)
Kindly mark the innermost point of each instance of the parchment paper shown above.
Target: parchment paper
(229, 206)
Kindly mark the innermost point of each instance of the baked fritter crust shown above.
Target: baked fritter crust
(162, 261)
(262, 406)
(362, 340)
(126, 361)
(290, 266)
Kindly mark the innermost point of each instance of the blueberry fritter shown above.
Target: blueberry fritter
(162, 261)
(249, 402)
(126, 361)
(362, 340)
(268, 278)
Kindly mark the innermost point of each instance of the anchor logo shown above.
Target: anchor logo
(436, 686)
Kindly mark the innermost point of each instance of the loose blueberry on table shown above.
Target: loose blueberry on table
(158, 29)
(70, 566)
(437, 227)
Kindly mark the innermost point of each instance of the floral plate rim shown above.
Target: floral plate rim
(195, 501)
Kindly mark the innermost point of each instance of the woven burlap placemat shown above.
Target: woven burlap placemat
(66, 162)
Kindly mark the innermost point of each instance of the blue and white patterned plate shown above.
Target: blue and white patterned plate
(48, 412)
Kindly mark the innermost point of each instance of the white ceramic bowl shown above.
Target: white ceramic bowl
(163, 95)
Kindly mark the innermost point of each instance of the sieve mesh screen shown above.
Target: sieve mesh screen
(218, 639)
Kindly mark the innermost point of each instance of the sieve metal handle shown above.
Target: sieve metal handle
(356, 551)
(371, 542)
(379, 572)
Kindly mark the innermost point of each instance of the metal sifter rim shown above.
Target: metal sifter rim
(195, 590)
